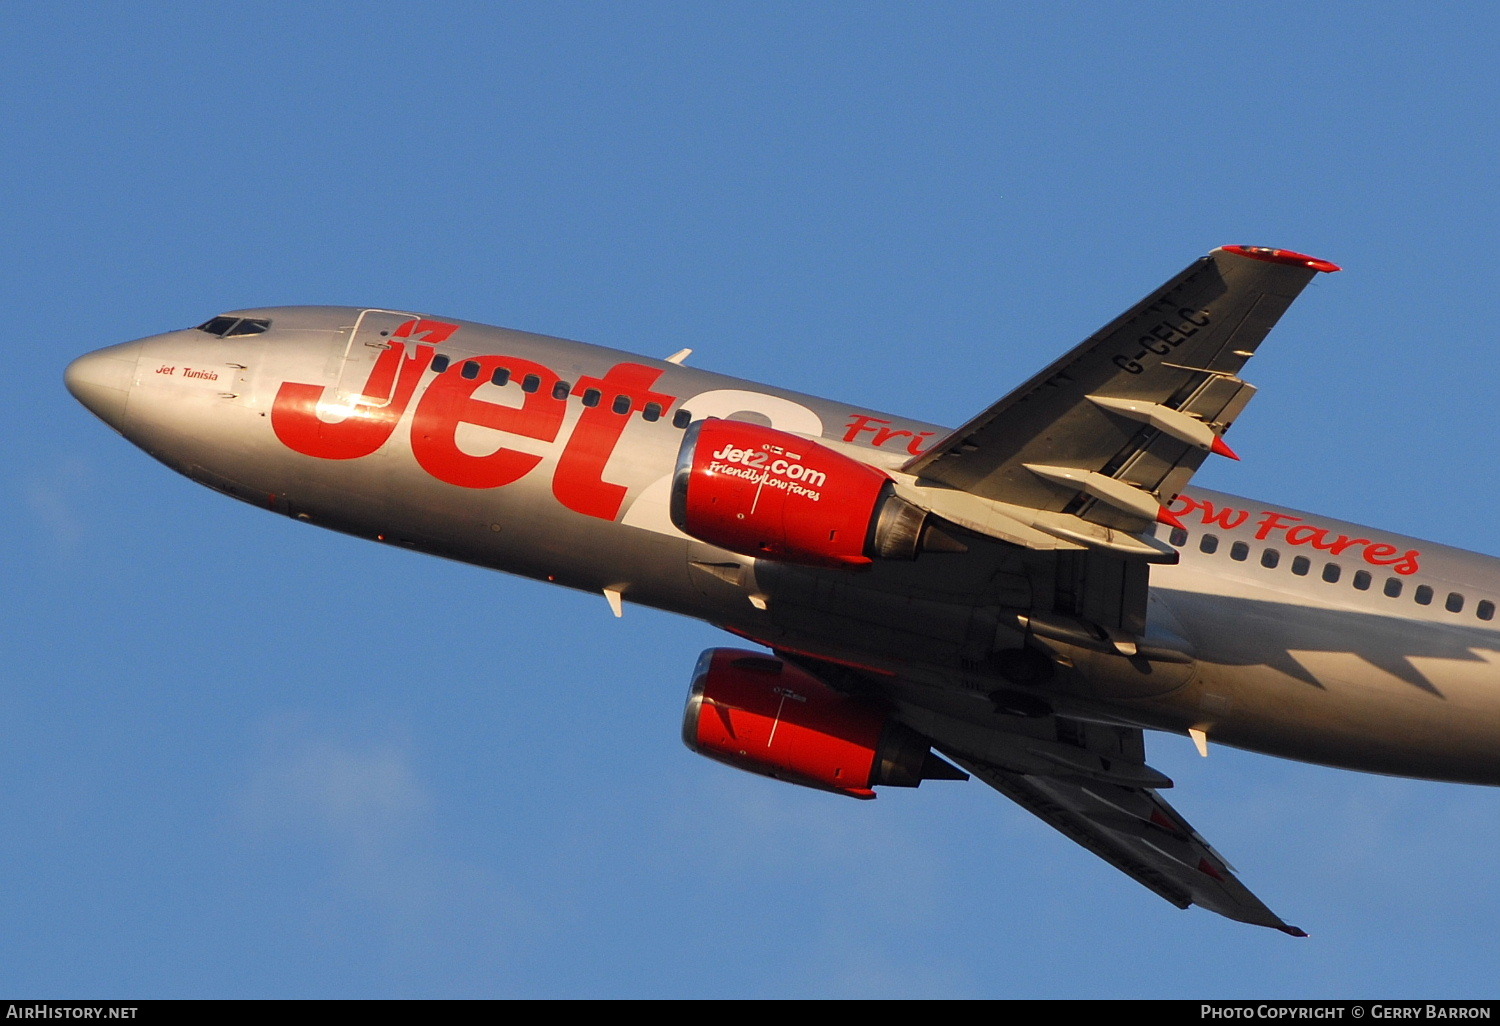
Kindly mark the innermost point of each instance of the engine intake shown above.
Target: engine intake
(766, 716)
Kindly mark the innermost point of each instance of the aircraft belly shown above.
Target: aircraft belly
(386, 497)
(841, 608)
(1380, 727)
(497, 528)
(1342, 688)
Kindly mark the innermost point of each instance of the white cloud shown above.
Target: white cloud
(351, 813)
(55, 497)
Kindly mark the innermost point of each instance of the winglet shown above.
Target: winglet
(1282, 256)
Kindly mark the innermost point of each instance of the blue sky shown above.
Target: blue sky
(245, 757)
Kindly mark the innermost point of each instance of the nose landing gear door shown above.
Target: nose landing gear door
(373, 334)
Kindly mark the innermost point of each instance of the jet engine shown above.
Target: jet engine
(762, 492)
(766, 716)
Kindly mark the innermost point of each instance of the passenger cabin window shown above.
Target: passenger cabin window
(1485, 610)
(621, 404)
(561, 390)
(681, 419)
(501, 376)
(440, 363)
(1331, 572)
(1301, 565)
(1393, 587)
(1239, 551)
(1178, 537)
(591, 396)
(651, 412)
(1423, 595)
(470, 370)
(1455, 603)
(1270, 558)
(1362, 580)
(1209, 543)
(530, 383)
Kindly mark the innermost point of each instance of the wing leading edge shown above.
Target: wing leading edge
(1087, 779)
(1137, 832)
(1116, 427)
(1090, 782)
(1086, 454)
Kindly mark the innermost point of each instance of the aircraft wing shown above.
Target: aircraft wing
(1090, 782)
(1115, 428)
(1087, 779)
(1137, 832)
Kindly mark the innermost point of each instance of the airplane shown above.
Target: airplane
(1018, 599)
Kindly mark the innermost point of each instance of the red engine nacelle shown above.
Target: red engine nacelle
(761, 492)
(764, 715)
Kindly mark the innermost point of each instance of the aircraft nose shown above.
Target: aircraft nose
(101, 380)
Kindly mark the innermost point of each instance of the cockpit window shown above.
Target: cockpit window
(229, 327)
(219, 325)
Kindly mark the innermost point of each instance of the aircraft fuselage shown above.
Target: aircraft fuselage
(1283, 632)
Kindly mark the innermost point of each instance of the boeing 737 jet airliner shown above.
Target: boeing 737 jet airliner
(1016, 600)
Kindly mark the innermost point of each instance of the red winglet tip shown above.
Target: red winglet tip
(1282, 256)
(1222, 448)
(1164, 516)
(1205, 866)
